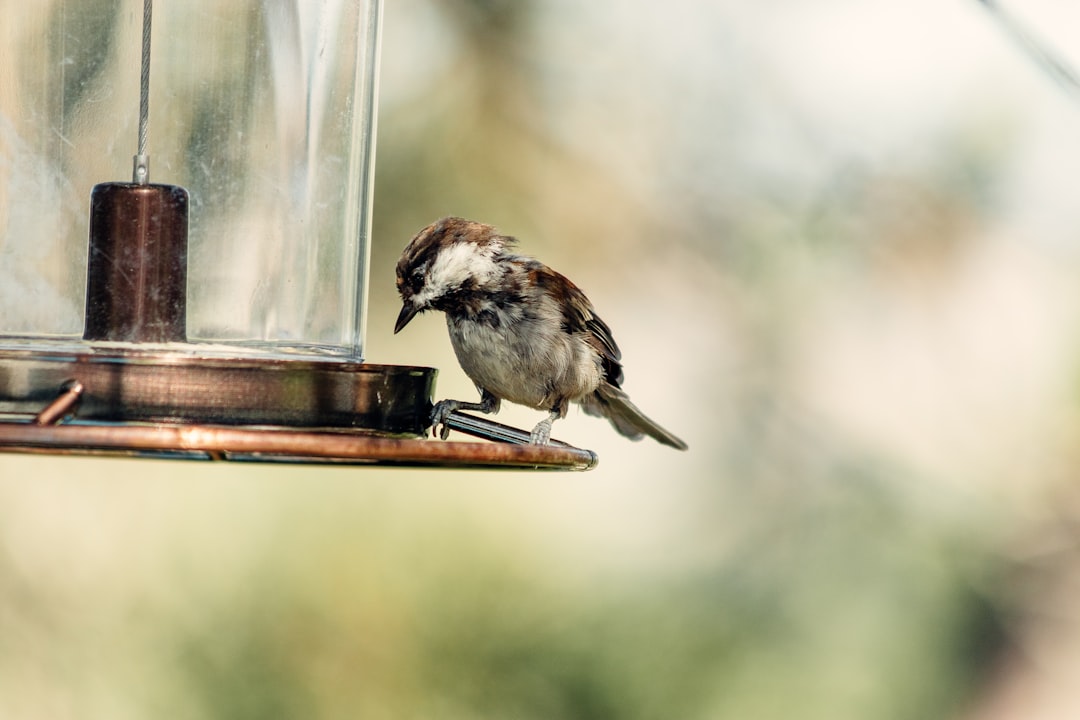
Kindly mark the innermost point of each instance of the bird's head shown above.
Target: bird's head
(448, 257)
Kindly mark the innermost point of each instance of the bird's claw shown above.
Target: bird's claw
(439, 415)
(541, 434)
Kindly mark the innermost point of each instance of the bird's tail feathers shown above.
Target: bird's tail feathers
(612, 403)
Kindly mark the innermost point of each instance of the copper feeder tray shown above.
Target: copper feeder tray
(139, 404)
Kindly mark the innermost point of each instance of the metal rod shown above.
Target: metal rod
(491, 430)
(142, 160)
(54, 412)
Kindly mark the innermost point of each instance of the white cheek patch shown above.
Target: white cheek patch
(456, 264)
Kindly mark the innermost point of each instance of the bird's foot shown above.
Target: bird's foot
(541, 434)
(440, 414)
(445, 408)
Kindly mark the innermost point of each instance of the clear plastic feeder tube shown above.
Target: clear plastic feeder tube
(262, 110)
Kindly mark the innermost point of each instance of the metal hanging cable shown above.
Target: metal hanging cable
(142, 159)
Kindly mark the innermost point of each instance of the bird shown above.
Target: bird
(521, 331)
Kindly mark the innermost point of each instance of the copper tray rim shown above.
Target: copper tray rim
(283, 445)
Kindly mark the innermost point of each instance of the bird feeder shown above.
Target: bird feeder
(191, 282)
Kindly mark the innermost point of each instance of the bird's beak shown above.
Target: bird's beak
(408, 312)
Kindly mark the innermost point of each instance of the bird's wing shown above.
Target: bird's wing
(580, 316)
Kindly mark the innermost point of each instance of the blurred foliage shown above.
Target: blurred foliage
(841, 602)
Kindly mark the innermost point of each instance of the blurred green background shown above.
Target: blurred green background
(837, 244)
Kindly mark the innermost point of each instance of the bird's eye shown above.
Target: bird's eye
(416, 281)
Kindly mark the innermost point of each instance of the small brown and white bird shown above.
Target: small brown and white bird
(521, 331)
